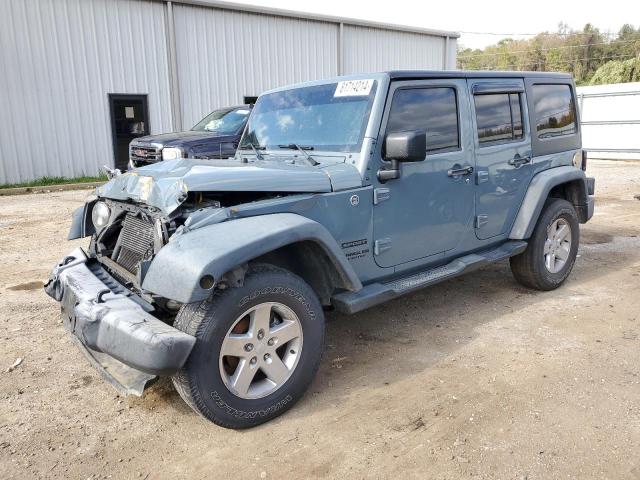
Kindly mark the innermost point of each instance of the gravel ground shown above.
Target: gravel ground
(475, 377)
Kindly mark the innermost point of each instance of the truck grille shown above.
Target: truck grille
(144, 154)
(135, 242)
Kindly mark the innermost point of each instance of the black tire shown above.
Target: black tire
(200, 382)
(529, 267)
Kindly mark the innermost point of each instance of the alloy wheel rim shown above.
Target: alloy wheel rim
(557, 246)
(261, 350)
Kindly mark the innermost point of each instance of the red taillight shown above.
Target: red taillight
(583, 166)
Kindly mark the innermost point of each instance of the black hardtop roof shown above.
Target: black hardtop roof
(426, 74)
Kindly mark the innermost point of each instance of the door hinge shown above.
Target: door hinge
(481, 220)
(380, 195)
(381, 246)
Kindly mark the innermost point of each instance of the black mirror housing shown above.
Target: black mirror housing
(406, 146)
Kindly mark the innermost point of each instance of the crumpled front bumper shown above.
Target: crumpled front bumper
(109, 319)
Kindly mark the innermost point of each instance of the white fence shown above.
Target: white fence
(610, 117)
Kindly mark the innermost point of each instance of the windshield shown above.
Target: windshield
(227, 121)
(330, 117)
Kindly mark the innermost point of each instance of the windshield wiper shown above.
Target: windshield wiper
(303, 149)
(254, 148)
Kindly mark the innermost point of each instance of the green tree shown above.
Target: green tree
(617, 71)
(580, 52)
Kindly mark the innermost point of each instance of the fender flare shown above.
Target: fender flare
(537, 195)
(214, 250)
(81, 225)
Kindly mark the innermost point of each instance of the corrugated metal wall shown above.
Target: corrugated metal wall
(59, 59)
(224, 55)
(368, 49)
(610, 116)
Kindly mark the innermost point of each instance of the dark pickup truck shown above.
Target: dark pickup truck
(215, 136)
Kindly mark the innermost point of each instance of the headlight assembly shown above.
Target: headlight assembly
(100, 215)
(171, 153)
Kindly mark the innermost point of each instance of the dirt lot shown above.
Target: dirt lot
(476, 377)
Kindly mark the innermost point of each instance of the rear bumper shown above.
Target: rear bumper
(591, 189)
(109, 319)
(590, 206)
(585, 211)
(591, 185)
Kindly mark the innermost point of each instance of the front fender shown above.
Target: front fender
(80, 223)
(214, 250)
(536, 196)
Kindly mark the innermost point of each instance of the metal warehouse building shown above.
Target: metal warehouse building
(72, 68)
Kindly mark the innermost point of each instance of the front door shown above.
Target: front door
(429, 209)
(129, 120)
(503, 153)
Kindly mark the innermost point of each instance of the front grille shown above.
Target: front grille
(108, 277)
(135, 242)
(144, 154)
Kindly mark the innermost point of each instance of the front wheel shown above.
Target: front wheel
(257, 348)
(553, 246)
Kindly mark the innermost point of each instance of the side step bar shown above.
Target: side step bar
(376, 293)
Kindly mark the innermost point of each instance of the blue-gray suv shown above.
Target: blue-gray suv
(344, 193)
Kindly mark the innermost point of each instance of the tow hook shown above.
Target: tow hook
(101, 294)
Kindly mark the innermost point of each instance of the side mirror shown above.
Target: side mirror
(405, 146)
(402, 147)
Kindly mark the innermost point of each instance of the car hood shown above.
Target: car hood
(180, 139)
(165, 185)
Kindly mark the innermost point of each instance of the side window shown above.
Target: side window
(554, 110)
(499, 117)
(431, 109)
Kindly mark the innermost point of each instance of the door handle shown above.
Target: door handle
(456, 172)
(518, 161)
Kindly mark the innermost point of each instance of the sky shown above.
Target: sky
(486, 16)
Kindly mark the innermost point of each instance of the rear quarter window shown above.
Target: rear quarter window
(554, 111)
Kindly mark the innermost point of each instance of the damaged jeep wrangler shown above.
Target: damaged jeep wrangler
(344, 194)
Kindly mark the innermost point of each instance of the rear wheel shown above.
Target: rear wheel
(257, 348)
(551, 253)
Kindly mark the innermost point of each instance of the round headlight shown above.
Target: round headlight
(100, 215)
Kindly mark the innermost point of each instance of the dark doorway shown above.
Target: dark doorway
(250, 100)
(129, 120)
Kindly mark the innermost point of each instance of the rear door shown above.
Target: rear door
(503, 153)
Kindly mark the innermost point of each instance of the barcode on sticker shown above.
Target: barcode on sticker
(353, 88)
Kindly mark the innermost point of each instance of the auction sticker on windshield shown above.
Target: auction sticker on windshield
(353, 88)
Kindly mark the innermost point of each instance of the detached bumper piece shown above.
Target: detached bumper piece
(119, 335)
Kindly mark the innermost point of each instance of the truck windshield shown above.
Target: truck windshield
(226, 122)
(329, 117)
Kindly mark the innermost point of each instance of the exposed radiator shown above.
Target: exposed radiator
(135, 242)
